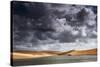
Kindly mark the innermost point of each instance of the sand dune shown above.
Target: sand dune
(80, 52)
(38, 54)
(18, 55)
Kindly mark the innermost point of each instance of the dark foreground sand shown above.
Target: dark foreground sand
(54, 60)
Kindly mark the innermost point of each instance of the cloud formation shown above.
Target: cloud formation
(43, 26)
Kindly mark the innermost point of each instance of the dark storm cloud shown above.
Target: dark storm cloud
(29, 10)
(44, 23)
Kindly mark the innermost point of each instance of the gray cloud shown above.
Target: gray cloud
(43, 24)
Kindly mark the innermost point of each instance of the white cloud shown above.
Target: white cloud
(75, 32)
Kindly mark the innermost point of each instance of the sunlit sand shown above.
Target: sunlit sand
(38, 54)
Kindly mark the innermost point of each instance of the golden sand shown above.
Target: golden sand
(38, 54)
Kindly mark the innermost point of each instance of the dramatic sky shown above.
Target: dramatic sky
(46, 26)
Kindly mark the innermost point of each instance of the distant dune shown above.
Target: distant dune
(80, 52)
(38, 54)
